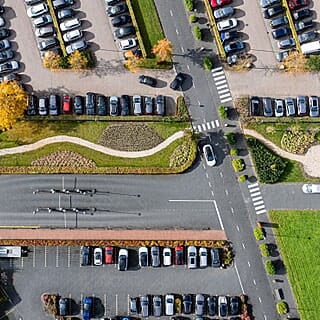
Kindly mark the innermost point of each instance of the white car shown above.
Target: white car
(278, 107)
(127, 44)
(123, 260)
(192, 257)
(209, 155)
(227, 24)
(37, 10)
(72, 35)
(70, 24)
(222, 306)
(311, 188)
(79, 45)
(167, 257)
(169, 304)
(97, 256)
(203, 254)
(143, 257)
(137, 110)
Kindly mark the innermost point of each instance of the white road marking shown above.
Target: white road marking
(199, 128)
(105, 304)
(69, 256)
(216, 69)
(254, 282)
(219, 78)
(45, 256)
(208, 125)
(207, 176)
(34, 257)
(221, 82)
(189, 200)
(203, 126)
(225, 95)
(212, 124)
(226, 100)
(57, 257)
(253, 185)
(260, 207)
(117, 307)
(258, 202)
(177, 32)
(243, 246)
(265, 317)
(223, 91)
(188, 67)
(222, 87)
(226, 191)
(257, 198)
(260, 300)
(218, 73)
(182, 49)
(238, 275)
(218, 213)
(212, 193)
(254, 190)
(232, 210)
(256, 194)
(22, 259)
(221, 174)
(193, 85)
(209, 183)
(249, 264)
(261, 211)
(217, 123)
(238, 228)
(171, 14)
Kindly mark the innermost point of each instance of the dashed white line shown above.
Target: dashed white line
(238, 228)
(256, 194)
(221, 174)
(226, 191)
(243, 246)
(177, 32)
(232, 210)
(207, 176)
(252, 185)
(209, 183)
(260, 300)
(171, 14)
(249, 264)
(188, 67)
(238, 275)
(257, 198)
(254, 282)
(218, 213)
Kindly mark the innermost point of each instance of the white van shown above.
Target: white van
(311, 47)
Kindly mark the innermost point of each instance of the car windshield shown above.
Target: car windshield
(209, 154)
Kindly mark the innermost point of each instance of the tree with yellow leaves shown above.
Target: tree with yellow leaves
(295, 62)
(51, 60)
(13, 103)
(132, 61)
(77, 61)
(163, 49)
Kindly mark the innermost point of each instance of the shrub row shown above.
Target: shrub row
(282, 307)
(197, 32)
(269, 166)
(223, 112)
(182, 109)
(238, 164)
(231, 138)
(189, 4)
(270, 267)
(208, 65)
(264, 248)
(259, 233)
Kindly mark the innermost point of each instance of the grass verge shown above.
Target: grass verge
(298, 237)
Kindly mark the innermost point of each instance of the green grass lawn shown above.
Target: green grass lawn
(298, 237)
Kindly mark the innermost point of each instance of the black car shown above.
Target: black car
(215, 258)
(58, 4)
(273, 11)
(234, 305)
(177, 81)
(112, 2)
(65, 13)
(254, 105)
(4, 33)
(152, 82)
(32, 105)
(124, 103)
(281, 32)
(115, 10)
(277, 22)
(121, 20)
(77, 105)
(303, 25)
(101, 105)
(160, 106)
(124, 32)
(63, 307)
(5, 55)
(307, 36)
(212, 305)
(47, 43)
(85, 255)
(187, 303)
(90, 103)
(301, 14)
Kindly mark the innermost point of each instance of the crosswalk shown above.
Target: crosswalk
(206, 126)
(256, 198)
(220, 80)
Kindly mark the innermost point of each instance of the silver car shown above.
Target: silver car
(223, 12)
(199, 310)
(192, 257)
(155, 256)
(144, 306)
(70, 24)
(133, 306)
(301, 105)
(157, 306)
(289, 107)
(137, 110)
(313, 106)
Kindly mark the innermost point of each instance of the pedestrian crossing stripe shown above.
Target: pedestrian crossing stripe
(226, 100)
(207, 126)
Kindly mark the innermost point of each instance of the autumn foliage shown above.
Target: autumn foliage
(77, 61)
(13, 103)
(163, 49)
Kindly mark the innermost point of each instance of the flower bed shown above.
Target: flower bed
(50, 303)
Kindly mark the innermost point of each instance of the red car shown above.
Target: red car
(219, 3)
(295, 4)
(178, 255)
(108, 255)
(66, 103)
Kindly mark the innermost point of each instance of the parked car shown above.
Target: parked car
(53, 105)
(295, 4)
(101, 105)
(212, 305)
(223, 12)
(70, 24)
(234, 305)
(160, 105)
(42, 21)
(280, 56)
(167, 257)
(124, 103)
(169, 304)
(43, 106)
(113, 105)
(215, 258)
(137, 108)
(5, 55)
(9, 66)
(31, 2)
(65, 13)
(72, 35)
(177, 81)
(267, 107)
(290, 110)
(87, 308)
(273, 11)
(269, 3)
(111, 2)
(178, 255)
(313, 106)
(123, 260)
(85, 255)
(124, 32)
(44, 32)
(281, 32)
(10, 77)
(301, 14)
(108, 255)
(90, 103)
(79, 45)
(133, 306)
(277, 22)
(58, 4)
(307, 36)
(229, 35)
(311, 188)
(2, 22)
(143, 257)
(37, 10)
(77, 105)
(278, 108)
(152, 82)
(127, 44)
(187, 303)
(199, 308)
(255, 106)
(32, 105)
(5, 44)
(227, 24)
(97, 257)
(157, 306)
(115, 10)
(203, 255)
(120, 20)
(47, 43)
(219, 3)
(4, 33)
(223, 306)
(286, 43)
(192, 257)
(148, 103)
(155, 256)
(302, 25)
(209, 155)
(144, 306)
(63, 307)
(301, 105)
(234, 46)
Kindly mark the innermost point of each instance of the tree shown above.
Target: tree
(77, 61)
(13, 103)
(133, 61)
(51, 60)
(163, 49)
(295, 62)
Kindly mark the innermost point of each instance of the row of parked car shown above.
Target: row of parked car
(69, 25)
(93, 104)
(198, 304)
(154, 256)
(290, 107)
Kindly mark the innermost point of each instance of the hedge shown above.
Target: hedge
(264, 248)
(197, 33)
(271, 269)
(259, 233)
(208, 65)
(269, 166)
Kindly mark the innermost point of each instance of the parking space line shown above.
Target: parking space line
(45, 256)
(252, 185)
(128, 304)
(117, 307)
(34, 257)
(22, 260)
(93, 296)
(69, 256)
(105, 304)
(238, 275)
(256, 194)
(57, 257)
(70, 304)
(226, 100)
(80, 257)
(218, 214)
(254, 190)
(257, 198)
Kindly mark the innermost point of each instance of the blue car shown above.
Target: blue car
(229, 35)
(87, 308)
(234, 46)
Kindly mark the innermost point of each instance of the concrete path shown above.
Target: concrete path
(310, 162)
(91, 145)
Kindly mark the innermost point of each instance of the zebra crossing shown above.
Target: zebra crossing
(220, 80)
(256, 198)
(206, 126)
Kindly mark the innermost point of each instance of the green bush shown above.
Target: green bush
(182, 109)
(271, 269)
(238, 165)
(189, 4)
(242, 178)
(223, 112)
(64, 63)
(264, 248)
(282, 307)
(193, 18)
(197, 32)
(231, 138)
(233, 152)
(208, 65)
(89, 57)
(259, 233)
(269, 166)
(313, 63)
